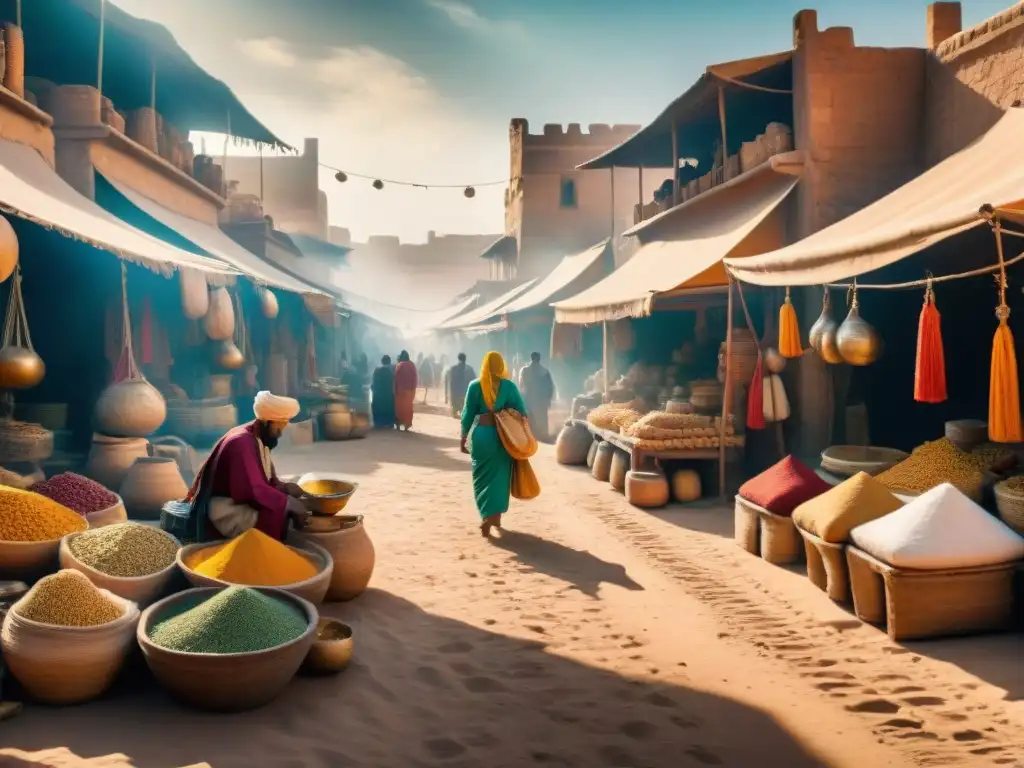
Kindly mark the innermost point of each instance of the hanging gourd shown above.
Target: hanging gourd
(822, 337)
(219, 322)
(775, 400)
(755, 408)
(1003, 394)
(268, 303)
(8, 249)
(858, 342)
(789, 329)
(930, 368)
(20, 366)
(195, 294)
(231, 353)
(131, 406)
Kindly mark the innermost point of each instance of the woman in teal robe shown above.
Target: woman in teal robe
(492, 465)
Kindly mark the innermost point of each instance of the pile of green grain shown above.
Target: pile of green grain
(235, 620)
(125, 550)
(68, 599)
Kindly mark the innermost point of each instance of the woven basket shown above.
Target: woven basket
(18, 448)
(229, 682)
(67, 665)
(314, 589)
(142, 590)
(1010, 505)
(764, 533)
(826, 566)
(848, 460)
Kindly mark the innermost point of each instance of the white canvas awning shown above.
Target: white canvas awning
(939, 203)
(569, 273)
(491, 308)
(213, 241)
(31, 189)
(703, 230)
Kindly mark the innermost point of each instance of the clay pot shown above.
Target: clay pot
(110, 458)
(354, 559)
(149, 484)
(857, 340)
(8, 249)
(822, 336)
(20, 368)
(219, 321)
(336, 425)
(268, 304)
(228, 356)
(133, 408)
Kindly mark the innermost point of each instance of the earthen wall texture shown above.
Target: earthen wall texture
(971, 79)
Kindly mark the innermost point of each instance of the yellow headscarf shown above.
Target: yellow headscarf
(492, 371)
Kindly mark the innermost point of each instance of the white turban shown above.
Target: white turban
(270, 407)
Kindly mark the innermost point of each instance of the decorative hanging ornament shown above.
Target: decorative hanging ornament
(1003, 390)
(378, 184)
(469, 192)
(858, 342)
(755, 398)
(822, 337)
(20, 366)
(341, 177)
(8, 249)
(789, 330)
(930, 368)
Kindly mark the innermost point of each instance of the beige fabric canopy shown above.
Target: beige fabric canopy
(688, 252)
(570, 270)
(31, 189)
(481, 314)
(939, 203)
(212, 240)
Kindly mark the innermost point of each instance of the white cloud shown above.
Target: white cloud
(464, 15)
(268, 50)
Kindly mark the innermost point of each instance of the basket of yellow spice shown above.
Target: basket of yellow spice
(227, 649)
(131, 560)
(1010, 502)
(932, 464)
(66, 640)
(254, 559)
(31, 527)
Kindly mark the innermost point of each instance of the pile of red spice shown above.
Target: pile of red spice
(75, 492)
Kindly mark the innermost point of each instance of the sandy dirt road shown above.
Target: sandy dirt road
(589, 634)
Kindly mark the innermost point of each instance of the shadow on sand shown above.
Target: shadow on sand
(584, 571)
(427, 690)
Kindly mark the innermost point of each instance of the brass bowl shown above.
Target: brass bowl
(329, 523)
(332, 649)
(324, 495)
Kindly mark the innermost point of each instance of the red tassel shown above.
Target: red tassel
(755, 398)
(930, 371)
(146, 333)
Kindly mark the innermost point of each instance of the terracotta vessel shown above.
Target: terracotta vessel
(149, 484)
(133, 408)
(110, 458)
(354, 558)
(336, 425)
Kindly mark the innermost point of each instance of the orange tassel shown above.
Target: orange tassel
(930, 371)
(789, 330)
(1003, 393)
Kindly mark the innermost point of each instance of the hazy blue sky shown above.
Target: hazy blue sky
(423, 90)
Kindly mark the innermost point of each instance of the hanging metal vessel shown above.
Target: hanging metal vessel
(858, 341)
(20, 368)
(229, 356)
(822, 337)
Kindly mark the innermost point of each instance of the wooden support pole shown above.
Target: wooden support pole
(152, 83)
(99, 57)
(612, 235)
(606, 356)
(726, 395)
(675, 164)
(640, 189)
(721, 120)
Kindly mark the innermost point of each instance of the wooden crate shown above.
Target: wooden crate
(826, 566)
(763, 533)
(913, 605)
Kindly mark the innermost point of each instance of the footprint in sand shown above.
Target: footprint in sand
(616, 756)
(925, 701)
(704, 756)
(483, 685)
(660, 700)
(444, 749)
(431, 677)
(638, 730)
(902, 722)
(875, 706)
(834, 686)
(684, 723)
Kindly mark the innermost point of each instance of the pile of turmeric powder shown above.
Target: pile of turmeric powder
(253, 560)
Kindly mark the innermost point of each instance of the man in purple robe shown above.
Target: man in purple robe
(237, 488)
